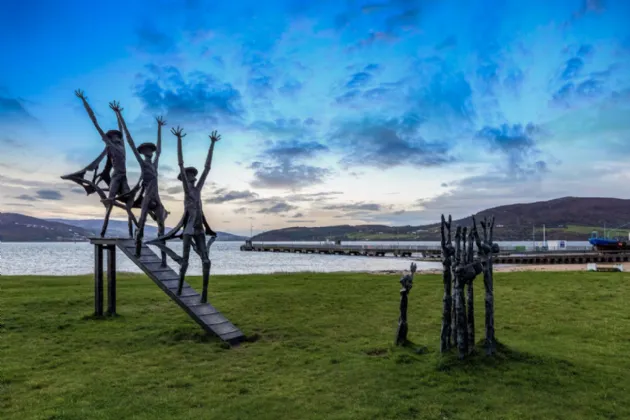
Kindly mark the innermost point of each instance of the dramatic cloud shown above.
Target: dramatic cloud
(385, 143)
(354, 207)
(223, 196)
(286, 175)
(295, 149)
(280, 165)
(390, 19)
(177, 189)
(196, 97)
(41, 195)
(278, 208)
(13, 110)
(49, 195)
(26, 197)
(577, 86)
(359, 80)
(320, 196)
(517, 143)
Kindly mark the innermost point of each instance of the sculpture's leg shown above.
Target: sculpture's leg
(454, 299)
(401, 333)
(131, 218)
(200, 241)
(143, 218)
(447, 303)
(471, 316)
(185, 256)
(489, 303)
(160, 223)
(108, 211)
(460, 309)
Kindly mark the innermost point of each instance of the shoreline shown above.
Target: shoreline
(517, 268)
(429, 271)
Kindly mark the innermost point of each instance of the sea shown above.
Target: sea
(68, 258)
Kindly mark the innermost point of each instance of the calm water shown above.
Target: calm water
(78, 258)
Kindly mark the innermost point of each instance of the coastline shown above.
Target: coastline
(517, 268)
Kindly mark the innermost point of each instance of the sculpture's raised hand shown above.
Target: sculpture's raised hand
(160, 121)
(413, 268)
(214, 136)
(115, 106)
(178, 132)
(79, 93)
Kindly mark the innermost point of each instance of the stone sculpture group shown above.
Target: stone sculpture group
(145, 194)
(460, 268)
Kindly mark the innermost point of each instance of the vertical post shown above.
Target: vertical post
(98, 280)
(111, 280)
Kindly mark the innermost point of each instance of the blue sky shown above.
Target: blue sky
(331, 112)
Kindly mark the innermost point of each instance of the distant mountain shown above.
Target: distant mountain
(118, 228)
(569, 218)
(19, 228)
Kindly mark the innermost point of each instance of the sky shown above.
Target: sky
(330, 112)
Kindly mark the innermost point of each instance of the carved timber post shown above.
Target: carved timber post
(447, 275)
(486, 250)
(460, 304)
(473, 268)
(407, 283)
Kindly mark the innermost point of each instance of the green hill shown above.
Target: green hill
(569, 218)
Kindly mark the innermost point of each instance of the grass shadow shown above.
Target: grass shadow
(104, 317)
(504, 358)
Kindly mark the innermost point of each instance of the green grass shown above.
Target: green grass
(324, 351)
(361, 236)
(587, 230)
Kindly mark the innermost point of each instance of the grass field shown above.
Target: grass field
(324, 351)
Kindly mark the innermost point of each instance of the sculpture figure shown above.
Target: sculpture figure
(149, 195)
(473, 266)
(114, 173)
(486, 249)
(448, 252)
(407, 283)
(465, 270)
(195, 227)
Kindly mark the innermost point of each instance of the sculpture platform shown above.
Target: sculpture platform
(206, 315)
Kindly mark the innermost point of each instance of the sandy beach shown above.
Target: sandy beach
(522, 267)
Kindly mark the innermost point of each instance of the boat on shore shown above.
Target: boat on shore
(608, 244)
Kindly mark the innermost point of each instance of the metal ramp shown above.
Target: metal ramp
(206, 315)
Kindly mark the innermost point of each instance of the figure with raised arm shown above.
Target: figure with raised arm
(116, 157)
(151, 203)
(195, 226)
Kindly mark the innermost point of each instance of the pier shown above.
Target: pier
(432, 253)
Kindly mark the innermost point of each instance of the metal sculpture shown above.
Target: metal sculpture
(193, 224)
(113, 175)
(151, 204)
(407, 283)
